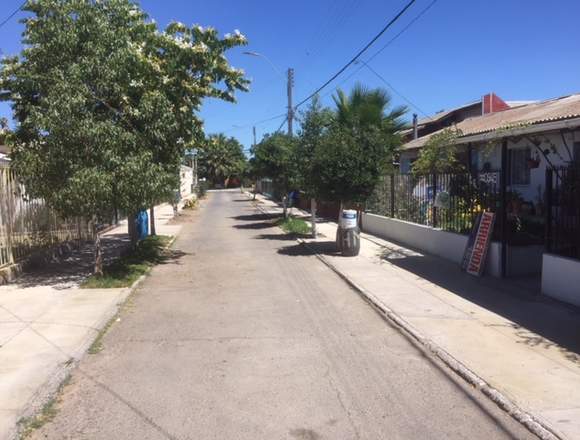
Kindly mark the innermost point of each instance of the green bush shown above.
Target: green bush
(202, 188)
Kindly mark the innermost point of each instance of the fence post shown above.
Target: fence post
(434, 197)
(503, 208)
(548, 202)
(392, 196)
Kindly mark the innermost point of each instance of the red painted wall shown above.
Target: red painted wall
(493, 103)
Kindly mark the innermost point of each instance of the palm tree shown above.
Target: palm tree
(366, 107)
(221, 158)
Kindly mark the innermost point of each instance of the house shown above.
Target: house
(532, 150)
(538, 136)
(490, 103)
(4, 155)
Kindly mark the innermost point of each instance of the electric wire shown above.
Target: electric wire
(363, 50)
(7, 19)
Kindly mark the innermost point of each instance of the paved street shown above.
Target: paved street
(246, 336)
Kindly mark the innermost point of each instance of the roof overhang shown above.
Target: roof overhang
(502, 133)
(566, 124)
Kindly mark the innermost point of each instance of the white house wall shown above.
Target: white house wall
(535, 189)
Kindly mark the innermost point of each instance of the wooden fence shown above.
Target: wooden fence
(27, 225)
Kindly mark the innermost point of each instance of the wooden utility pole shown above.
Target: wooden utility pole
(290, 105)
(254, 145)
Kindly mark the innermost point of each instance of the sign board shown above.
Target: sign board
(478, 244)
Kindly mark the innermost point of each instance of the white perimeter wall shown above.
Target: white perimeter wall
(561, 278)
(444, 244)
(186, 181)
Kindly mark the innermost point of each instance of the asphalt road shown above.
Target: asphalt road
(246, 336)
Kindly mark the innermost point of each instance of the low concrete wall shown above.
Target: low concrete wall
(434, 241)
(444, 244)
(561, 278)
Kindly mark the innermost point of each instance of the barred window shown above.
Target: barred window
(519, 167)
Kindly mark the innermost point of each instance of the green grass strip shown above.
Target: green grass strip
(293, 225)
(124, 271)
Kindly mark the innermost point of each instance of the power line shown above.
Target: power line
(402, 31)
(378, 75)
(364, 49)
(281, 125)
(7, 19)
(387, 44)
(263, 121)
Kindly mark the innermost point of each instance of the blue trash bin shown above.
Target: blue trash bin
(142, 225)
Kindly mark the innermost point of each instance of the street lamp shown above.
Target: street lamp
(257, 54)
(290, 85)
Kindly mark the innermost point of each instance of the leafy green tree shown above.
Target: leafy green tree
(355, 150)
(316, 120)
(439, 155)
(221, 158)
(105, 103)
(276, 157)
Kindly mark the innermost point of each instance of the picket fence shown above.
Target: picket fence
(28, 225)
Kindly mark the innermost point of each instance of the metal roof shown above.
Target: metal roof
(557, 109)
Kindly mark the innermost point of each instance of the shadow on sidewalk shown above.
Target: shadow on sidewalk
(74, 267)
(79, 264)
(538, 321)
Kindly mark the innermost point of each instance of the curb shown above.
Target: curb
(534, 425)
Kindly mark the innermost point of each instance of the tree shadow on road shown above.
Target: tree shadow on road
(282, 236)
(254, 217)
(258, 225)
(312, 248)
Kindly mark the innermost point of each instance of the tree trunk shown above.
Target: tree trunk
(313, 216)
(131, 219)
(285, 206)
(98, 250)
(152, 220)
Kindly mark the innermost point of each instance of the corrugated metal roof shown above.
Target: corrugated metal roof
(557, 109)
(442, 114)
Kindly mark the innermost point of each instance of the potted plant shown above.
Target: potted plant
(534, 162)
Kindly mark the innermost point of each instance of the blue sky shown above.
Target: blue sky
(455, 53)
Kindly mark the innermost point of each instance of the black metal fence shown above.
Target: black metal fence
(447, 201)
(563, 211)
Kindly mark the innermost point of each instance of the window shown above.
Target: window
(576, 152)
(519, 167)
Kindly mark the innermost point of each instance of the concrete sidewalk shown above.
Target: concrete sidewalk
(525, 347)
(47, 323)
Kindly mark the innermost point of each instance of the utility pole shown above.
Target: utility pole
(254, 145)
(290, 105)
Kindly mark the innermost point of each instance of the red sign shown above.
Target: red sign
(477, 250)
